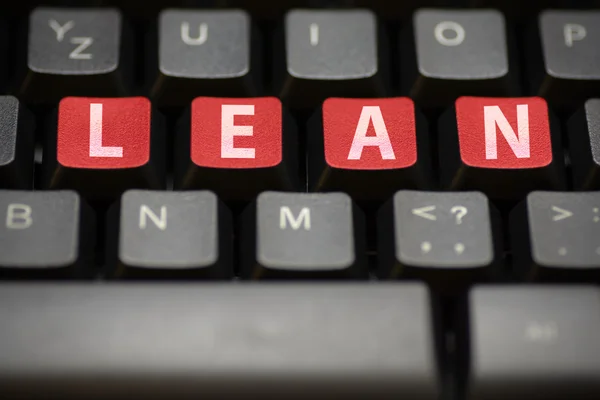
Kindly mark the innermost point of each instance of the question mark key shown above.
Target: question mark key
(446, 238)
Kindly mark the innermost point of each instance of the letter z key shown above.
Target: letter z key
(76, 52)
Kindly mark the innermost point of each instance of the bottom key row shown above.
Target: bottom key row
(300, 341)
(449, 239)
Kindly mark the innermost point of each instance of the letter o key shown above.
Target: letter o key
(441, 28)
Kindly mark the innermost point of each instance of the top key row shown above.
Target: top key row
(443, 54)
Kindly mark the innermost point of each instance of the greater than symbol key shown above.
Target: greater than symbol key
(425, 247)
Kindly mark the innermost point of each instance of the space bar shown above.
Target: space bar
(168, 341)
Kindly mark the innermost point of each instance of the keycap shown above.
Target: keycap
(398, 9)
(170, 235)
(263, 341)
(103, 146)
(301, 235)
(534, 342)
(567, 71)
(521, 9)
(368, 147)
(236, 147)
(449, 239)
(554, 236)
(213, 52)
(47, 234)
(450, 53)
(76, 52)
(16, 144)
(326, 53)
(505, 147)
(584, 145)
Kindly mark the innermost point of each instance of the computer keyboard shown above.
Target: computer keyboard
(231, 199)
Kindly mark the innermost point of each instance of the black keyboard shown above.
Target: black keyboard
(350, 199)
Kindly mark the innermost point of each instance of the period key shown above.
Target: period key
(368, 148)
(555, 236)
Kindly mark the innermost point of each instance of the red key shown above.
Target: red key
(104, 146)
(237, 147)
(368, 148)
(505, 147)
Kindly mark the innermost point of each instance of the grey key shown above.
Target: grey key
(584, 145)
(555, 236)
(446, 238)
(76, 52)
(259, 341)
(171, 235)
(532, 342)
(16, 144)
(44, 234)
(298, 235)
(212, 52)
(568, 69)
(450, 53)
(327, 54)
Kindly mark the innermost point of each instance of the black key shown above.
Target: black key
(259, 341)
(170, 235)
(368, 148)
(399, 9)
(104, 146)
(76, 52)
(324, 53)
(520, 9)
(306, 236)
(505, 147)
(555, 236)
(213, 52)
(147, 12)
(44, 234)
(568, 69)
(450, 53)
(270, 10)
(236, 147)
(16, 144)
(532, 342)
(584, 143)
(447, 239)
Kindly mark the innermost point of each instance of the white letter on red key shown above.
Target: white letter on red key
(229, 130)
(520, 145)
(381, 138)
(96, 148)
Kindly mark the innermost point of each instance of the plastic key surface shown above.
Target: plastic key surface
(167, 341)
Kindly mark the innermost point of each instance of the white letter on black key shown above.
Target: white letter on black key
(46, 234)
(305, 236)
(170, 235)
